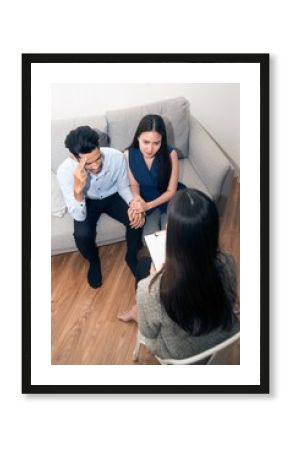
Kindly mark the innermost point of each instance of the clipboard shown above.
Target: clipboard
(156, 244)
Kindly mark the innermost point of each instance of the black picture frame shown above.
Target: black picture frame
(263, 61)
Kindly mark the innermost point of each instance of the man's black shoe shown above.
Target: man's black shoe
(95, 275)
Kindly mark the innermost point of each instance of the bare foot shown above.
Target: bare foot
(128, 316)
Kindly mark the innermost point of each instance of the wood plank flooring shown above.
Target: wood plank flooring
(85, 328)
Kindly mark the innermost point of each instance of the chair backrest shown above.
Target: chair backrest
(210, 353)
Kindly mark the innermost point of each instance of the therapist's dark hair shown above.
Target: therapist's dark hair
(83, 139)
(191, 286)
(154, 122)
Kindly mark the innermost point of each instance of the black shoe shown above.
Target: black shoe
(132, 262)
(95, 275)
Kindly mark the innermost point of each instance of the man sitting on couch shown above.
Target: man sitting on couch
(94, 181)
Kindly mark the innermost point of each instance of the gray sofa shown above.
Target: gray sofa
(203, 164)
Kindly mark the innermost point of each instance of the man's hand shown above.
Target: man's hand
(137, 220)
(80, 179)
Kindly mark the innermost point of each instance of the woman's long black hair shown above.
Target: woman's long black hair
(191, 287)
(154, 122)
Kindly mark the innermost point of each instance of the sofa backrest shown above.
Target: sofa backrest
(61, 128)
(117, 128)
(123, 123)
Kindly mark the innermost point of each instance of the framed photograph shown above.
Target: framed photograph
(214, 109)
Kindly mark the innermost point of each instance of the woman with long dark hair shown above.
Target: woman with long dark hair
(188, 306)
(153, 171)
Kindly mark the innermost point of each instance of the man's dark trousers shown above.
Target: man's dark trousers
(85, 232)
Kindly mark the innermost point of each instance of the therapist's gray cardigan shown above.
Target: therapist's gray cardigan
(163, 336)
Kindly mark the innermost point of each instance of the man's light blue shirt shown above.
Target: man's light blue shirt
(111, 179)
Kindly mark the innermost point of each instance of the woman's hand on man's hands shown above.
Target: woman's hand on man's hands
(138, 204)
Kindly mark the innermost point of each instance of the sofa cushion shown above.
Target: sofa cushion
(58, 207)
(189, 177)
(122, 123)
(62, 240)
(109, 231)
(61, 128)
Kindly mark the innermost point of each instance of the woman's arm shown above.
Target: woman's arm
(134, 185)
(142, 206)
(137, 219)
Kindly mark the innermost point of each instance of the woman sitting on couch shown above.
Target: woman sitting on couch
(153, 172)
(188, 306)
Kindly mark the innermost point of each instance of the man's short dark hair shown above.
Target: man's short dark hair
(82, 140)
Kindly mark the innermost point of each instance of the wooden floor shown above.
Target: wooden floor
(85, 329)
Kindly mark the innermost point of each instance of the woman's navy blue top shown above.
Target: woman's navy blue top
(147, 178)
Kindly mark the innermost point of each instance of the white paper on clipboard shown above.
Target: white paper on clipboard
(156, 244)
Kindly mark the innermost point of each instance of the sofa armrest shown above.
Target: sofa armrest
(209, 161)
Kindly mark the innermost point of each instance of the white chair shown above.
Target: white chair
(210, 353)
